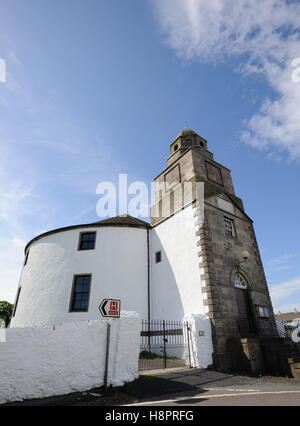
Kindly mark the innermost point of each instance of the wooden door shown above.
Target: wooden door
(244, 312)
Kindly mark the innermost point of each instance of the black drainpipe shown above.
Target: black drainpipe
(149, 290)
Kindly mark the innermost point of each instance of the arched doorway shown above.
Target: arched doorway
(245, 322)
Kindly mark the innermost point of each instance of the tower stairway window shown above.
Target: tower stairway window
(158, 257)
(229, 227)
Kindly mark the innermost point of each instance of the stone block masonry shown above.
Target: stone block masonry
(47, 361)
(234, 312)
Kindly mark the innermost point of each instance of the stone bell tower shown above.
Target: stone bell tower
(234, 288)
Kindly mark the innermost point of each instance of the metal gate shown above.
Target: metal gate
(164, 344)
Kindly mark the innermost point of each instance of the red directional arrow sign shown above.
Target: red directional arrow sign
(110, 308)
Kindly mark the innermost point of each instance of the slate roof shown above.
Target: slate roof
(123, 220)
(186, 132)
(289, 316)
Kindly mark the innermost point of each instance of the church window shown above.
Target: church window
(175, 148)
(263, 312)
(229, 227)
(81, 293)
(238, 281)
(87, 241)
(158, 257)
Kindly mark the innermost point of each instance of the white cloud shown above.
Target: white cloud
(264, 36)
(290, 307)
(281, 263)
(17, 242)
(282, 259)
(280, 268)
(283, 293)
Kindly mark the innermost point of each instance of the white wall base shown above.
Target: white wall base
(47, 361)
(200, 341)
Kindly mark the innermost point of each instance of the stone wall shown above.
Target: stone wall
(219, 255)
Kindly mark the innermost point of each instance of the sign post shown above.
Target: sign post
(107, 354)
(109, 308)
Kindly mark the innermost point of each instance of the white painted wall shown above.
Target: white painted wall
(201, 346)
(47, 361)
(118, 266)
(176, 284)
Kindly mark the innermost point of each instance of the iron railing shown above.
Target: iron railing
(164, 344)
(272, 330)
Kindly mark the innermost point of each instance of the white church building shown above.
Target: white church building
(69, 271)
(162, 270)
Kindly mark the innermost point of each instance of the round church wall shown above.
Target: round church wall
(117, 266)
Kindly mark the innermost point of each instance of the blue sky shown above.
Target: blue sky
(101, 87)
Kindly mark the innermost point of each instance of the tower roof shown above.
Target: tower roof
(186, 132)
(186, 139)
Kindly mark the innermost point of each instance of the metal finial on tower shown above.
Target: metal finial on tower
(185, 124)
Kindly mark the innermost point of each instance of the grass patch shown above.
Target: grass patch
(152, 355)
(151, 377)
(149, 355)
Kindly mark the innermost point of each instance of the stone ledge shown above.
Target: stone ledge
(295, 367)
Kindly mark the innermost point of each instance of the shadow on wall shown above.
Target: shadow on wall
(177, 296)
(166, 305)
(176, 284)
(165, 295)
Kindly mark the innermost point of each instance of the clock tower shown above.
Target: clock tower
(231, 275)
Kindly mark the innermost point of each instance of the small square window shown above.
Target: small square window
(263, 312)
(229, 227)
(81, 293)
(158, 257)
(87, 241)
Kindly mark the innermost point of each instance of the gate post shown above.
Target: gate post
(107, 354)
(149, 335)
(164, 338)
(188, 329)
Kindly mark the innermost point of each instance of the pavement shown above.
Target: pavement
(211, 388)
(186, 387)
